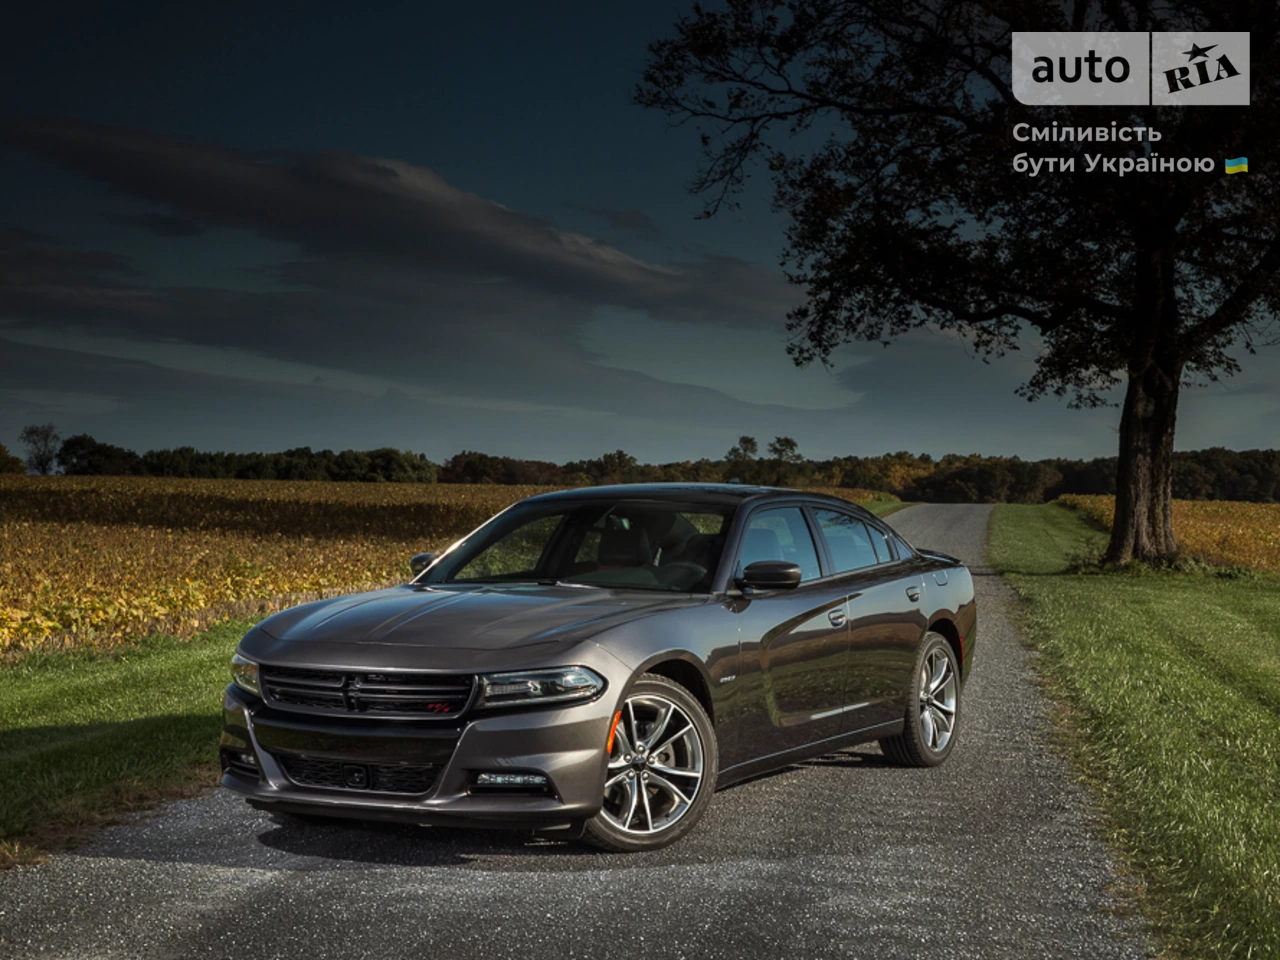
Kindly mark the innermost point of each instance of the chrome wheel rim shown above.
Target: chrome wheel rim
(938, 690)
(655, 766)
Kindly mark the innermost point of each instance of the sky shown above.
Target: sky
(266, 226)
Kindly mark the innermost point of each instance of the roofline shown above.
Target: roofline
(708, 492)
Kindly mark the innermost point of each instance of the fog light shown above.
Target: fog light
(248, 759)
(511, 780)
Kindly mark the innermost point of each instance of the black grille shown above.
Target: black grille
(419, 695)
(307, 771)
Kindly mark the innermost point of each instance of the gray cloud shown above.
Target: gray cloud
(161, 224)
(348, 207)
(630, 221)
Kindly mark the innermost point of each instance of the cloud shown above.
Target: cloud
(345, 208)
(630, 221)
(161, 224)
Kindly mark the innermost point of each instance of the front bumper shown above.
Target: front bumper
(564, 744)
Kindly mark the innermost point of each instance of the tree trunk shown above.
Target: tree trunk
(1143, 525)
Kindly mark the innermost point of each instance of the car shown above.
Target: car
(594, 663)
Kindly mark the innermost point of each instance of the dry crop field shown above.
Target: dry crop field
(95, 561)
(1220, 531)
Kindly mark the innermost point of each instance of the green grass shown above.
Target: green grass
(84, 736)
(1171, 683)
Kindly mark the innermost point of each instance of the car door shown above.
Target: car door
(885, 619)
(794, 643)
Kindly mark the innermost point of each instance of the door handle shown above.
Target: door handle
(836, 617)
(913, 594)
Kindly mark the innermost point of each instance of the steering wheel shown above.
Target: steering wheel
(695, 572)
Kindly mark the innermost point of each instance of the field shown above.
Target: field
(1170, 686)
(96, 561)
(1219, 531)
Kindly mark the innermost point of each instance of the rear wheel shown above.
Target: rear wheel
(933, 708)
(661, 769)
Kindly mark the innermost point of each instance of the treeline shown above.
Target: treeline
(82, 455)
(1213, 474)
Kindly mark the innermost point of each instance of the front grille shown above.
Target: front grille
(417, 695)
(308, 771)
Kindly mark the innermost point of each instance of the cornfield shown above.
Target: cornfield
(92, 562)
(1220, 531)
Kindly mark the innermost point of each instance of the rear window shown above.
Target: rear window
(848, 541)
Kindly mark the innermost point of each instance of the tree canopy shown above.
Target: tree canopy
(887, 127)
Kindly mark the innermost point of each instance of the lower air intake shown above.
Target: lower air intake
(323, 772)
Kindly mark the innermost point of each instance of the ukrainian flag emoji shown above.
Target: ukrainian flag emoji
(1238, 165)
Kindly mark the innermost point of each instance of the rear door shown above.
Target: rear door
(885, 620)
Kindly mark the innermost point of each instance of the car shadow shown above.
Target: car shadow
(218, 829)
(409, 845)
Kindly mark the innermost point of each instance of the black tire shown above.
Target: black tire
(913, 747)
(604, 832)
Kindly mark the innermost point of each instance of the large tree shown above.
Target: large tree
(41, 441)
(887, 127)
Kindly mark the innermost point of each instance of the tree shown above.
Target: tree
(9, 463)
(887, 127)
(785, 454)
(741, 460)
(83, 455)
(41, 442)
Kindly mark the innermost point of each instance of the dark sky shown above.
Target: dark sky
(259, 226)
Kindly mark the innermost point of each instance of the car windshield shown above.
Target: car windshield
(626, 544)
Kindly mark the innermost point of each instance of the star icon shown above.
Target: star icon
(1196, 51)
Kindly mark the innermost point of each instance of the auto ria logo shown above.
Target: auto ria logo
(1188, 68)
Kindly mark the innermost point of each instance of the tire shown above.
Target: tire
(670, 765)
(921, 743)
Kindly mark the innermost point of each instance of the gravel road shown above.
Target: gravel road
(990, 856)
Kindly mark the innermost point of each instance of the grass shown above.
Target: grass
(85, 737)
(1171, 683)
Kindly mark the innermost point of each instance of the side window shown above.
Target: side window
(904, 552)
(780, 534)
(883, 553)
(848, 541)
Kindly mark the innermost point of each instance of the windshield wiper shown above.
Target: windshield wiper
(539, 581)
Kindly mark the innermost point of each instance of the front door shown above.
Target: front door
(795, 643)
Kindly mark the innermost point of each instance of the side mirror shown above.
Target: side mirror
(420, 562)
(771, 575)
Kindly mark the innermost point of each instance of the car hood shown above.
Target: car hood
(489, 617)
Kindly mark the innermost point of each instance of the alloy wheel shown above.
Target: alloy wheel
(938, 689)
(655, 767)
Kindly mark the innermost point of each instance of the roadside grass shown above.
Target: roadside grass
(85, 737)
(1172, 688)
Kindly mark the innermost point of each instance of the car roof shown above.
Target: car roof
(721, 493)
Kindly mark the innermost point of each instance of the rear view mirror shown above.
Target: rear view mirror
(771, 575)
(420, 562)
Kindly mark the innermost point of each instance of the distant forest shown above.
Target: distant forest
(1213, 474)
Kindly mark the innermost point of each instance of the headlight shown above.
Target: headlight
(245, 674)
(538, 686)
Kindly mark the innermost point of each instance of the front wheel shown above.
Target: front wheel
(933, 708)
(661, 769)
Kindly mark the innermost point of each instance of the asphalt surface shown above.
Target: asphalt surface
(992, 855)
